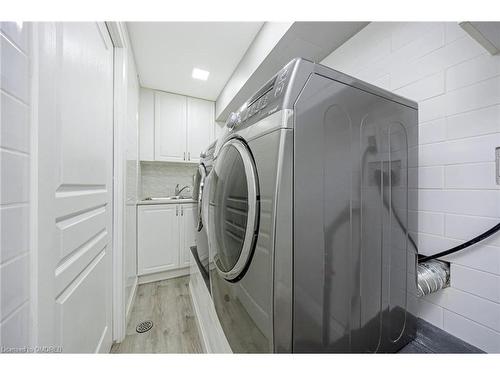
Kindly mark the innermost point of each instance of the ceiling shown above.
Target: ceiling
(166, 53)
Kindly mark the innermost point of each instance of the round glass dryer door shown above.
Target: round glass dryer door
(234, 209)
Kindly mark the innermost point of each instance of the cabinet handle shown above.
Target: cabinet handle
(182, 211)
(189, 156)
(177, 211)
(184, 155)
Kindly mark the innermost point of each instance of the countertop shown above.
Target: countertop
(166, 201)
(431, 339)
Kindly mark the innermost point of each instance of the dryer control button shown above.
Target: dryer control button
(279, 89)
(233, 120)
(283, 74)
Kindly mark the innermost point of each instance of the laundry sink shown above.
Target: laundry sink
(171, 199)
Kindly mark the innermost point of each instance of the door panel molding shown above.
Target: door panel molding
(84, 330)
(74, 93)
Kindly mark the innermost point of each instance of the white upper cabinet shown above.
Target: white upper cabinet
(170, 127)
(174, 127)
(146, 125)
(200, 127)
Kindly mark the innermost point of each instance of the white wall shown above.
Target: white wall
(131, 179)
(219, 129)
(457, 86)
(15, 315)
(268, 36)
(146, 124)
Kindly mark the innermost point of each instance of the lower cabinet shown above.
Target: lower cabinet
(187, 233)
(165, 234)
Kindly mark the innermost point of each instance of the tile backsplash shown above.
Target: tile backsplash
(158, 179)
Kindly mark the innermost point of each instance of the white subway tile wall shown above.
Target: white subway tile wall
(158, 179)
(457, 85)
(15, 314)
(427, 310)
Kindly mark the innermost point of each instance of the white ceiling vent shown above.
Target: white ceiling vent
(486, 34)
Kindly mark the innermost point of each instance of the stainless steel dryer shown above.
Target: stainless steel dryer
(308, 208)
(201, 239)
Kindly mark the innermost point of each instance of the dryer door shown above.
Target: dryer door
(233, 209)
(199, 185)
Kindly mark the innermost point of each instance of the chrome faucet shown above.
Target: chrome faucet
(179, 191)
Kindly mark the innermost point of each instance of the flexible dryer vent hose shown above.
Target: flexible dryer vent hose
(432, 276)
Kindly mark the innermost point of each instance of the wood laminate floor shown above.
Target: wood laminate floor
(168, 304)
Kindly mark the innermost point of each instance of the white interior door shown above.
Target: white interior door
(200, 126)
(170, 127)
(75, 146)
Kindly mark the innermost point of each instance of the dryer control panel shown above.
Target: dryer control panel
(267, 100)
(284, 89)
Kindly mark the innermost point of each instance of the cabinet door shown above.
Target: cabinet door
(170, 127)
(187, 232)
(146, 125)
(158, 238)
(200, 127)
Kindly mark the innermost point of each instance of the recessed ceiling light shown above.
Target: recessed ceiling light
(200, 74)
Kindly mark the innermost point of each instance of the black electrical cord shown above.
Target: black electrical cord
(453, 250)
(465, 245)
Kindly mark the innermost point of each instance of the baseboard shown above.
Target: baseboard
(164, 275)
(105, 342)
(131, 302)
(204, 343)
